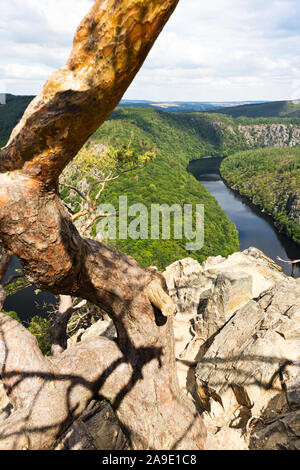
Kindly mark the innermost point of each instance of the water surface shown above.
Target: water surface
(254, 227)
(25, 302)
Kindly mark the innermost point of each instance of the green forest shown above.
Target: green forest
(10, 114)
(267, 176)
(270, 178)
(175, 139)
(282, 109)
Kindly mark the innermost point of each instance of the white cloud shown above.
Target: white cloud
(209, 51)
(36, 38)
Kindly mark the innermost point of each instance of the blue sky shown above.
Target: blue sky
(216, 50)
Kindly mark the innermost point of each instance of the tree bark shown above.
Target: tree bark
(4, 264)
(137, 375)
(59, 325)
(5, 261)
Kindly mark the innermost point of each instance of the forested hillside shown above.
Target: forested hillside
(285, 109)
(176, 139)
(269, 178)
(181, 106)
(10, 114)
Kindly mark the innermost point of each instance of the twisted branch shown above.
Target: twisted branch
(138, 374)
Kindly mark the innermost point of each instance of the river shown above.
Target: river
(254, 227)
(26, 302)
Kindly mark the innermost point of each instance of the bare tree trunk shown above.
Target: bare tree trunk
(137, 375)
(4, 264)
(2, 296)
(293, 263)
(59, 324)
(5, 261)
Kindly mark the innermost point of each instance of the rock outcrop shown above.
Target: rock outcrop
(97, 429)
(237, 337)
(230, 291)
(271, 135)
(293, 207)
(208, 295)
(238, 320)
(104, 327)
(251, 367)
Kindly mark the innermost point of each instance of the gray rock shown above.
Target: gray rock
(250, 372)
(196, 291)
(190, 284)
(186, 283)
(97, 429)
(271, 135)
(231, 291)
(293, 207)
(104, 327)
(281, 434)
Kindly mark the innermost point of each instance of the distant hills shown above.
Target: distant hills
(284, 109)
(177, 138)
(12, 111)
(184, 106)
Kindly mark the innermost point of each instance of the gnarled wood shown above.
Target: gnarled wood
(5, 260)
(160, 299)
(109, 48)
(138, 376)
(59, 325)
(47, 393)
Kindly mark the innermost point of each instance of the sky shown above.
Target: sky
(216, 50)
